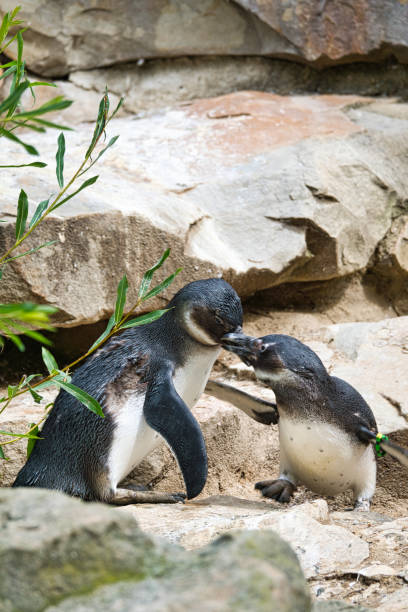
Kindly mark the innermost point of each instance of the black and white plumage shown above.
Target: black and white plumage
(146, 379)
(325, 425)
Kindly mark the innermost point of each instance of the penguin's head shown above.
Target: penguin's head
(278, 360)
(208, 309)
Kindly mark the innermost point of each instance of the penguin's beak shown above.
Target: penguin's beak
(246, 347)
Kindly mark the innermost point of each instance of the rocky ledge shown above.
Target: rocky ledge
(260, 188)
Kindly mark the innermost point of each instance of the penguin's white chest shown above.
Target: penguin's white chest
(322, 456)
(133, 438)
(190, 380)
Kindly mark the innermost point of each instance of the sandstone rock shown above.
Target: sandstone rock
(56, 548)
(376, 359)
(396, 602)
(305, 182)
(321, 548)
(65, 37)
(336, 606)
(17, 418)
(53, 546)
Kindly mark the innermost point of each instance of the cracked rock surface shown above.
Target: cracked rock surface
(260, 188)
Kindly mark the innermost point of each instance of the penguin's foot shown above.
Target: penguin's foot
(362, 505)
(122, 497)
(281, 490)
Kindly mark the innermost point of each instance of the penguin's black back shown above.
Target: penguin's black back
(74, 446)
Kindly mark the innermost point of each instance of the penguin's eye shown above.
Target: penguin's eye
(219, 320)
(263, 348)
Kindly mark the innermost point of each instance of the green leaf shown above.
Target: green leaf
(86, 183)
(10, 70)
(43, 84)
(15, 435)
(33, 250)
(57, 103)
(2, 455)
(52, 125)
(100, 123)
(29, 148)
(31, 333)
(36, 396)
(144, 319)
(35, 164)
(11, 391)
(49, 360)
(39, 211)
(13, 38)
(167, 281)
(107, 331)
(22, 212)
(121, 298)
(110, 143)
(81, 395)
(147, 277)
(60, 159)
(13, 99)
(117, 108)
(32, 440)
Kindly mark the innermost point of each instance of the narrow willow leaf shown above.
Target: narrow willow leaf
(11, 391)
(81, 395)
(10, 70)
(107, 331)
(5, 25)
(121, 298)
(85, 184)
(33, 438)
(167, 281)
(117, 108)
(144, 319)
(49, 360)
(57, 103)
(42, 84)
(31, 333)
(14, 434)
(36, 396)
(60, 159)
(12, 39)
(30, 378)
(14, 98)
(16, 340)
(110, 143)
(100, 123)
(2, 455)
(20, 66)
(29, 148)
(147, 277)
(35, 164)
(33, 250)
(39, 211)
(22, 212)
(52, 125)
(30, 126)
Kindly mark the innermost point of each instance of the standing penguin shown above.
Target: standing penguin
(325, 426)
(146, 379)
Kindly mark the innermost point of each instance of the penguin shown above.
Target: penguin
(146, 379)
(325, 425)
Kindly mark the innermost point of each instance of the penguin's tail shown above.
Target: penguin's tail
(383, 445)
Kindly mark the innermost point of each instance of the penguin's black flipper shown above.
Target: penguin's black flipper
(386, 446)
(258, 409)
(166, 413)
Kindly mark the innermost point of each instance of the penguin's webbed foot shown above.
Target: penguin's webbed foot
(123, 497)
(362, 505)
(281, 490)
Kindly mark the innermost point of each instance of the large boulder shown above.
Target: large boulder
(259, 188)
(55, 548)
(79, 35)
